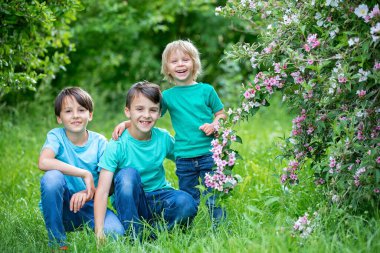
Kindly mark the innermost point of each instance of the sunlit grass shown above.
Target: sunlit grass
(260, 212)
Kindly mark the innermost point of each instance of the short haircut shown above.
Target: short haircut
(149, 90)
(187, 47)
(80, 95)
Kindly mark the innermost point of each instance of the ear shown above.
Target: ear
(90, 116)
(59, 120)
(127, 112)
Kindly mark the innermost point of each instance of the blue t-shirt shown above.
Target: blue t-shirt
(191, 106)
(84, 157)
(146, 157)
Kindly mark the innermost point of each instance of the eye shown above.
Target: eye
(154, 110)
(67, 111)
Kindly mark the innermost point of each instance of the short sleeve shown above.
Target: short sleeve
(52, 142)
(110, 159)
(170, 147)
(102, 145)
(214, 101)
(164, 106)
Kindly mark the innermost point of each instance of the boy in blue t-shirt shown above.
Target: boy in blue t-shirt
(69, 158)
(134, 164)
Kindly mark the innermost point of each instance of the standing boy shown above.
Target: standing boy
(135, 165)
(69, 158)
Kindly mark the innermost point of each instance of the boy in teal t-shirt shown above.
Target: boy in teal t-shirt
(134, 164)
(69, 158)
(195, 110)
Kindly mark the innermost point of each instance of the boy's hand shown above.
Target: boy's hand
(90, 187)
(119, 129)
(100, 238)
(77, 201)
(207, 128)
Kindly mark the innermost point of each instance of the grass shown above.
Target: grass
(260, 213)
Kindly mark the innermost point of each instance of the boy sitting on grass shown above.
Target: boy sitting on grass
(134, 164)
(69, 158)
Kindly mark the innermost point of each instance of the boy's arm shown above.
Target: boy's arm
(119, 129)
(47, 161)
(100, 202)
(209, 129)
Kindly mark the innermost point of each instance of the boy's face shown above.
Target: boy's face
(181, 67)
(143, 115)
(73, 116)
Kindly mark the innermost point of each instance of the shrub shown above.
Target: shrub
(35, 41)
(324, 57)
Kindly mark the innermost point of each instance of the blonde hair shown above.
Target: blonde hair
(187, 47)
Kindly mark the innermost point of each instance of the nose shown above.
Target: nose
(146, 114)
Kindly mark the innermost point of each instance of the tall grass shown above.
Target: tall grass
(261, 212)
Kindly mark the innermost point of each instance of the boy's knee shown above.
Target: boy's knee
(52, 179)
(126, 181)
(186, 205)
(114, 230)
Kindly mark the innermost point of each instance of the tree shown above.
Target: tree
(35, 41)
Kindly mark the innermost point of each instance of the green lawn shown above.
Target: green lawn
(260, 213)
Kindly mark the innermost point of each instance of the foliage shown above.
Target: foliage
(324, 57)
(35, 41)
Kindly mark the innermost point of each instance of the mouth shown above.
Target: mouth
(145, 123)
(182, 71)
(76, 123)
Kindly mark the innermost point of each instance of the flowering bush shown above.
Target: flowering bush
(324, 58)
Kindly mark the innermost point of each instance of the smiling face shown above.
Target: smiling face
(180, 67)
(74, 116)
(143, 114)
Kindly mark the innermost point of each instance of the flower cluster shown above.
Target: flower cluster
(305, 225)
(224, 157)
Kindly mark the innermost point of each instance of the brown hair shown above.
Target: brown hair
(149, 90)
(80, 95)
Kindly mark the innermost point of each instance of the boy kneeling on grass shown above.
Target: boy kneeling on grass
(134, 163)
(69, 158)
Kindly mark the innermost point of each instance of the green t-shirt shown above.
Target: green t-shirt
(190, 107)
(146, 157)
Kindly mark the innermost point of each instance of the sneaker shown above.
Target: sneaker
(63, 247)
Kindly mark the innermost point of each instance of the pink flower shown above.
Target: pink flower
(377, 65)
(342, 79)
(332, 162)
(313, 41)
(361, 93)
(378, 159)
(375, 11)
(306, 47)
(283, 178)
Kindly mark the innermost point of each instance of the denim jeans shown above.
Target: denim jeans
(134, 205)
(55, 200)
(189, 171)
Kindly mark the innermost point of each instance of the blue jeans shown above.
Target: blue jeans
(189, 171)
(55, 200)
(134, 205)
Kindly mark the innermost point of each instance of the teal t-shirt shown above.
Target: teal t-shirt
(189, 108)
(84, 157)
(146, 157)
